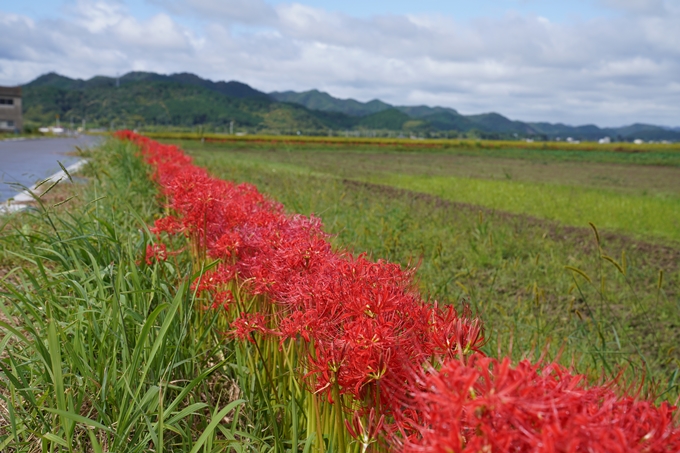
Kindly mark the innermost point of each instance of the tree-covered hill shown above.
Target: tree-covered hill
(324, 102)
(138, 99)
(146, 99)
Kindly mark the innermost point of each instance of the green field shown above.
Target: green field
(506, 231)
(622, 193)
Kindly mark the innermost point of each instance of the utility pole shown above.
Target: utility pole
(231, 128)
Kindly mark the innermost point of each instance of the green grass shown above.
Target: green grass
(643, 216)
(100, 352)
(534, 283)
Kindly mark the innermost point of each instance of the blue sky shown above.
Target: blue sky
(556, 11)
(608, 62)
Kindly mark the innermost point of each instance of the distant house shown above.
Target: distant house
(10, 109)
(604, 141)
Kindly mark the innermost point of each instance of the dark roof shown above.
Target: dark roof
(10, 91)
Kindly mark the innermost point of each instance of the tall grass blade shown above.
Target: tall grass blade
(216, 420)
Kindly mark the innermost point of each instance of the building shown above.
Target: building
(10, 109)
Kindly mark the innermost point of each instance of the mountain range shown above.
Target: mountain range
(187, 100)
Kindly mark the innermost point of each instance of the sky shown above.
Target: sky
(604, 62)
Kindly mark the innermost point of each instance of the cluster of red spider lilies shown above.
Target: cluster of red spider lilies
(378, 365)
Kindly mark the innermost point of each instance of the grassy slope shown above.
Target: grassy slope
(100, 352)
(510, 268)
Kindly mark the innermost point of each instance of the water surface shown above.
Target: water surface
(26, 162)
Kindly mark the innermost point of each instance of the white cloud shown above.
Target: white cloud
(98, 16)
(640, 6)
(234, 11)
(609, 70)
(159, 32)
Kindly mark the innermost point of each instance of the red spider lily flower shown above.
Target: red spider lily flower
(302, 323)
(156, 252)
(326, 365)
(226, 246)
(170, 225)
(484, 404)
(222, 299)
(247, 324)
(365, 428)
(450, 334)
(214, 280)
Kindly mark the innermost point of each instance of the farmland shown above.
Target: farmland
(496, 229)
(128, 354)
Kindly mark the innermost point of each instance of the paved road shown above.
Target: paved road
(29, 161)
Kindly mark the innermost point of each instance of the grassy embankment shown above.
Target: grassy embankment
(506, 231)
(100, 351)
